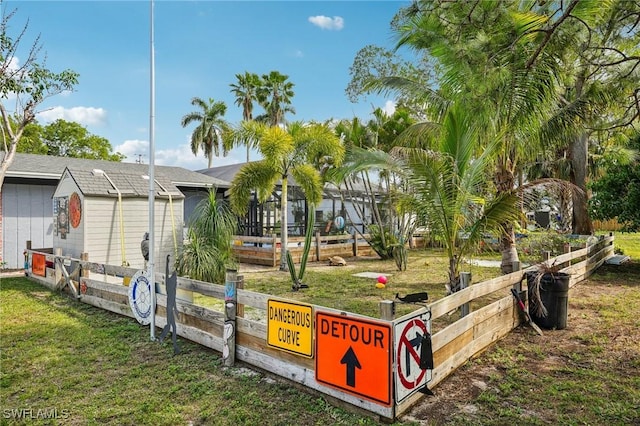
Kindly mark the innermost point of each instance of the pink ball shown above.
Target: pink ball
(382, 279)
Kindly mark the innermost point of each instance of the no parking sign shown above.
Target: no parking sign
(409, 336)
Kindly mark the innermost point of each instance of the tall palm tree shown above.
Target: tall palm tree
(212, 131)
(486, 56)
(246, 92)
(300, 151)
(275, 97)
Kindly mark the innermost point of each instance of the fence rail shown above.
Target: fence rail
(267, 250)
(101, 285)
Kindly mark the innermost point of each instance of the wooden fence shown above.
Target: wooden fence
(492, 315)
(267, 250)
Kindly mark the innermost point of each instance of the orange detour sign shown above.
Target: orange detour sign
(354, 355)
(289, 327)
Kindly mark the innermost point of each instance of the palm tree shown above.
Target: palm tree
(483, 63)
(300, 151)
(246, 92)
(385, 232)
(211, 133)
(208, 251)
(446, 183)
(275, 96)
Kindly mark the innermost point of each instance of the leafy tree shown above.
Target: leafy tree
(300, 151)
(208, 252)
(498, 58)
(211, 132)
(445, 183)
(68, 139)
(617, 193)
(275, 95)
(31, 141)
(246, 92)
(597, 45)
(379, 190)
(25, 86)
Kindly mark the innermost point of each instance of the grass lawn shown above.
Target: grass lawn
(87, 366)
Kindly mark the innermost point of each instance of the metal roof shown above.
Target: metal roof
(48, 167)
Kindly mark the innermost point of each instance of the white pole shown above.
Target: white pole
(152, 191)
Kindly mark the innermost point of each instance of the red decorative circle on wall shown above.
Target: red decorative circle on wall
(75, 209)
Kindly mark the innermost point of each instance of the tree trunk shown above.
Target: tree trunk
(504, 181)
(508, 249)
(454, 275)
(566, 209)
(284, 228)
(578, 155)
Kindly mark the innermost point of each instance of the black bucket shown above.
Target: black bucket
(554, 294)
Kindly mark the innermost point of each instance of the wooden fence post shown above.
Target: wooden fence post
(229, 329)
(387, 310)
(85, 271)
(26, 257)
(274, 245)
(566, 249)
(240, 306)
(515, 267)
(465, 281)
(57, 252)
(355, 244)
(317, 246)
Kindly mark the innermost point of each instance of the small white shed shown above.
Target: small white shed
(107, 215)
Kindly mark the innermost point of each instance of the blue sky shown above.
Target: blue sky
(199, 48)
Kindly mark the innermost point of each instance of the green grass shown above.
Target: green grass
(586, 374)
(628, 243)
(95, 367)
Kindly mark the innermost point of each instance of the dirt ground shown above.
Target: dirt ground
(592, 305)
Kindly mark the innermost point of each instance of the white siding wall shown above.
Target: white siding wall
(27, 215)
(102, 230)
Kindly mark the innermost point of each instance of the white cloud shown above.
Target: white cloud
(87, 116)
(14, 64)
(327, 23)
(181, 156)
(389, 107)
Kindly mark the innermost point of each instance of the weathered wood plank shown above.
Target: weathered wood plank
(118, 308)
(107, 287)
(260, 345)
(447, 304)
(306, 377)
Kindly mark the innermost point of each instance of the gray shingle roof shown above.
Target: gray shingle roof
(50, 167)
(107, 184)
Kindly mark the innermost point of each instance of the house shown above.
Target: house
(27, 197)
(334, 214)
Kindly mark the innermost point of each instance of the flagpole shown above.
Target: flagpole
(152, 191)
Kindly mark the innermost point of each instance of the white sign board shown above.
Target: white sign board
(140, 297)
(409, 335)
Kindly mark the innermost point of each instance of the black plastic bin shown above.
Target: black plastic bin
(554, 294)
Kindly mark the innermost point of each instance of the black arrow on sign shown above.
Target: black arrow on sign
(415, 342)
(351, 360)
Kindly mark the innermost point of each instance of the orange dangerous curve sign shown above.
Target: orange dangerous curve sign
(354, 355)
